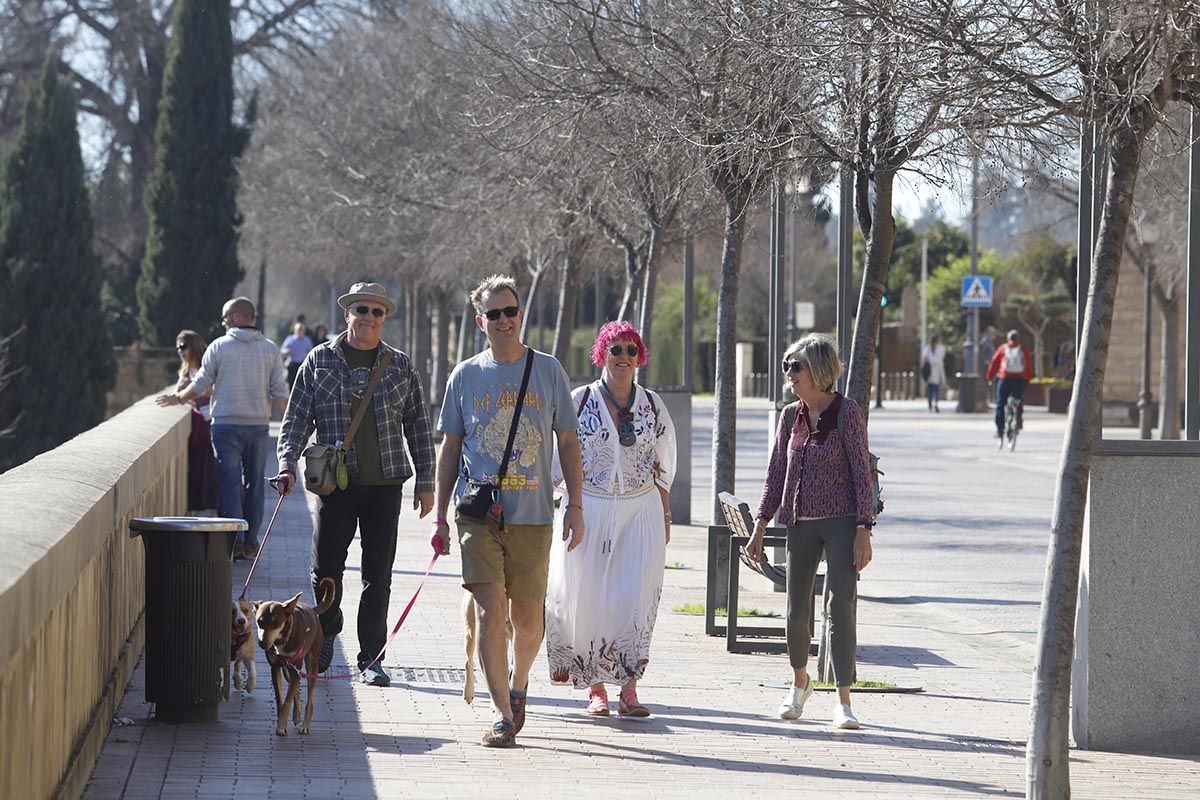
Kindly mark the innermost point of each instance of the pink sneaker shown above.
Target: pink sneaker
(597, 702)
(628, 706)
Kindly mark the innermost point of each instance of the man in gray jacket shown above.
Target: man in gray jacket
(243, 371)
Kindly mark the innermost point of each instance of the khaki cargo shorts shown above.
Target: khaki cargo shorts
(518, 556)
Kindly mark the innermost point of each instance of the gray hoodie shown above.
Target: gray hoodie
(245, 374)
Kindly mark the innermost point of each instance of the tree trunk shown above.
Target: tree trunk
(1168, 387)
(632, 271)
(1047, 767)
(422, 336)
(568, 292)
(466, 330)
(1038, 346)
(441, 348)
(650, 284)
(737, 199)
(530, 298)
(874, 284)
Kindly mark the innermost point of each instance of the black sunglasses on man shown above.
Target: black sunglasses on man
(493, 314)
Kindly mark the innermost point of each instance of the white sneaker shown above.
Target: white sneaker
(793, 705)
(844, 718)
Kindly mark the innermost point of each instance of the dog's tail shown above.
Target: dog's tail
(328, 592)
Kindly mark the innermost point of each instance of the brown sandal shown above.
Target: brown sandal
(502, 734)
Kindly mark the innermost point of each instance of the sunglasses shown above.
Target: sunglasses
(181, 346)
(792, 366)
(508, 311)
(362, 311)
(631, 350)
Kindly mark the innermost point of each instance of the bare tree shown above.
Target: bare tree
(1118, 67)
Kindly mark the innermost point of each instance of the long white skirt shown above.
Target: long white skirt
(602, 598)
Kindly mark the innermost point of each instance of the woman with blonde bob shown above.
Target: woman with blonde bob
(602, 598)
(818, 480)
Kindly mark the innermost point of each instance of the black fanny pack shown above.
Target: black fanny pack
(481, 499)
(478, 501)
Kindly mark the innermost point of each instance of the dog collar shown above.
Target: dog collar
(297, 658)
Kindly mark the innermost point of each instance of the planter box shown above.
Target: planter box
(1057, 400)
(1035, 394)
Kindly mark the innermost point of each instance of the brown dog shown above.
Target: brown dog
(290, 633)
(241, 645)
(470, 623)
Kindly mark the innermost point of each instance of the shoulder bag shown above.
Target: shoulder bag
(873, 469)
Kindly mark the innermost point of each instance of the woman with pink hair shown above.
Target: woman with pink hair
(602, 598)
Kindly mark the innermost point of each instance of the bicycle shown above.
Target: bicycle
(1012, 422)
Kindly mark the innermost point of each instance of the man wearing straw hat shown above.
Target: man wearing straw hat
(331, 384)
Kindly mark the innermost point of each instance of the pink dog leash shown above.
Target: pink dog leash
(395, 628)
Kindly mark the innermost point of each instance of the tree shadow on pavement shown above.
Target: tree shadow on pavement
(623, 754)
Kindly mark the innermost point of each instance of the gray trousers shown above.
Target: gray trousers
(806, 540)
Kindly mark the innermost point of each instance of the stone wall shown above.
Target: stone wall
(72, 590)
(1123, 375)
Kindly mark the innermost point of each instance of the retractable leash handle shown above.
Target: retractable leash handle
(395, 628)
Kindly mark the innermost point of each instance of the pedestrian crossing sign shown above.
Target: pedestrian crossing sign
(977, 291)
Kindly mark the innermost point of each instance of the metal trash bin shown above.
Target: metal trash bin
(188, 586)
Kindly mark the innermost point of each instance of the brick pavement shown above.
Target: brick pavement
(967, 643)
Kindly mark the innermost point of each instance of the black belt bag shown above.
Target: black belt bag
(481, 500)
(478, 500)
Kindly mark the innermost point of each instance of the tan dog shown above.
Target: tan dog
(241, 645)
(290, 633)
(470, 617)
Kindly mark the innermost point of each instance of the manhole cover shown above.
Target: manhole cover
(442, 675)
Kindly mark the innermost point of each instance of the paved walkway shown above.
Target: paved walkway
(950, 605)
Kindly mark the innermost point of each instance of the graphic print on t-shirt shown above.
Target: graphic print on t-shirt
(493, 435)
(359, 378)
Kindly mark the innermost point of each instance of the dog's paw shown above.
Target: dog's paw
(281, 731)
(304, 730)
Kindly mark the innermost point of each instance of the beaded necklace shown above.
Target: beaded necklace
(625, 432)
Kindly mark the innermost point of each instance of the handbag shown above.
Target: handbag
(926, 371)
(325, 464)
(481, 499)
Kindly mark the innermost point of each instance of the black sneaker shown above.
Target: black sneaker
(375, 675)
(326, 657)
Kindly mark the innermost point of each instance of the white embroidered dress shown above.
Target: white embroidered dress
(602, 598)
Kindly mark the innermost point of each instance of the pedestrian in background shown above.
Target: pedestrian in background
(602, 598)
(818, 480)
(295, 349)
(933, 370)
(202, 466)
(243, 371)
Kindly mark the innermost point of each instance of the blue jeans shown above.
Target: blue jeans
(241, 452)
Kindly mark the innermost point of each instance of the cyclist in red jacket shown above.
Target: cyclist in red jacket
(1014, 366)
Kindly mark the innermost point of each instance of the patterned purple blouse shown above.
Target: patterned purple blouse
(809, 474)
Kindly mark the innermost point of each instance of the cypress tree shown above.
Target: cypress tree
(191, 265)
(58, 355)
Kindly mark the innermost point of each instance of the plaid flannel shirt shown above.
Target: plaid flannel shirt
(320, 401)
